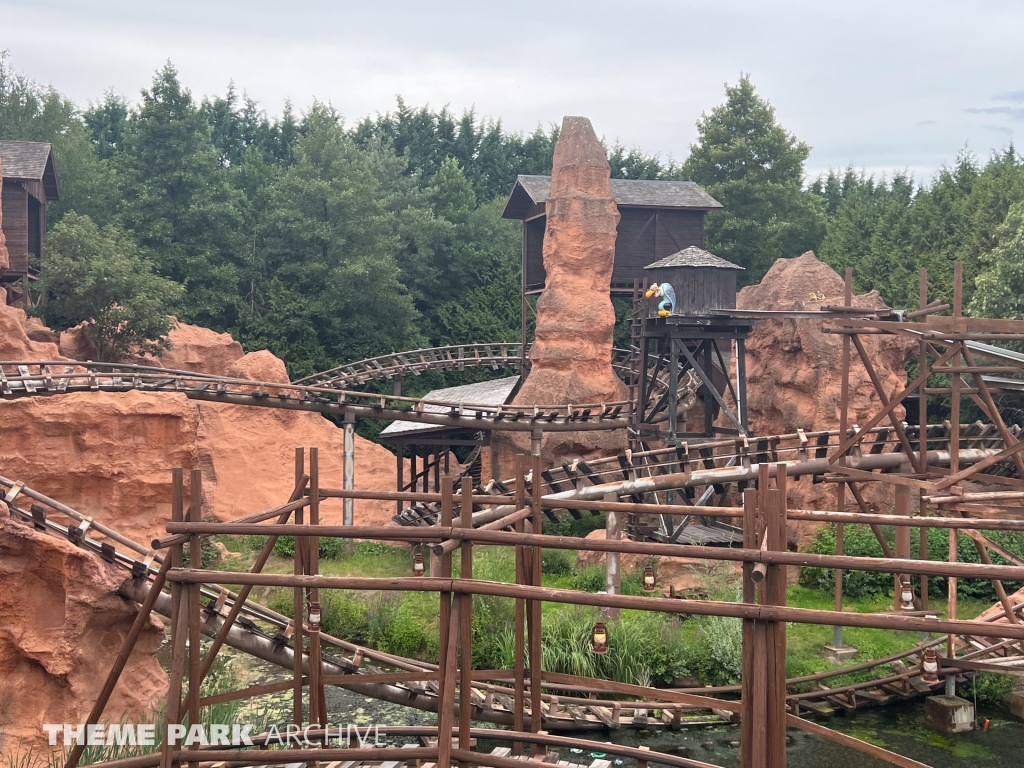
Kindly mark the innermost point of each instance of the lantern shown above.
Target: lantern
(599, 638)
(418, 566)
(906, 595)
(649, 579)
(930, 667)
(314, 617)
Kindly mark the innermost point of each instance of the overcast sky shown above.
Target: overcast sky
(882, 85)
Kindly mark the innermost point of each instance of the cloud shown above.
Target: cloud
(1015, 96)
(1014, 113)
(927, 122)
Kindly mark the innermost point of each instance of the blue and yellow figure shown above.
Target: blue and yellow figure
(667, 295)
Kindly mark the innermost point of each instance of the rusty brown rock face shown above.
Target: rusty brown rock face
(571, 357)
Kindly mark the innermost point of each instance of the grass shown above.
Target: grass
(407, 623)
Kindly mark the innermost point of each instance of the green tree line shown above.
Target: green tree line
(326, 242)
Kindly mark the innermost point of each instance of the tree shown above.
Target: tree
(1000, 285)
(180, 202)
(754, 167)
(100, 276)
(332, 226)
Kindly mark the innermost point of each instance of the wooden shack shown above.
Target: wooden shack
(658, 218)
(29, 183)
(701, 281)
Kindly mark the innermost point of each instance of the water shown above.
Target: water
(899, 728)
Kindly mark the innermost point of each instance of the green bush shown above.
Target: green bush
(343, 616)
(329, 548)
(994, 689)
(860, 541)
(558, 562)
(589, 579)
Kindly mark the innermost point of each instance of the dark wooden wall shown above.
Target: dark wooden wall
(698, 289)
(644, 236)
(15, 223)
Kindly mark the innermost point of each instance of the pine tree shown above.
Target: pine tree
(755, 168)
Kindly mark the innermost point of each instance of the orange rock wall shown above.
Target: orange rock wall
(794, 371)
(62, 623)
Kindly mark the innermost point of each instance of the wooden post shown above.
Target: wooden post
(520, 609)
(922, 443)
(445, 571)
(317, 696)
(844, 407)
(612, 572)
(954, 379)
(951, 584)
(179, 623)
(534, 612)
(775, 594)
(195, 561)
(752, 679)
(298, 607)
(466, 621)
(449, 671)
(902, 493)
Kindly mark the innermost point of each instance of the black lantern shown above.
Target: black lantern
(599, 638)
(649, 579)
(314, 617)
(418, 566)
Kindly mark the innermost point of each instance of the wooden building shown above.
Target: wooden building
(702, 281)
(29, 183)
(658, 218)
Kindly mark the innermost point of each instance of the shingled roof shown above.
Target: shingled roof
(693, 257)
(638, 193)
(30, 161)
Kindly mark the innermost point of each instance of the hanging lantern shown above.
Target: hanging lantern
(314, 617)
(906, 595)
(649, 579)
(930, 667)
(419, 568)
(599, 638)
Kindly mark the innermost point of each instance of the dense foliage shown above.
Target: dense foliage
(860, 541)
(326, 242)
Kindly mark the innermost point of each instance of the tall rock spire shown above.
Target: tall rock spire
(571, 358)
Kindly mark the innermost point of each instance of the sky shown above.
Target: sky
(885, 86)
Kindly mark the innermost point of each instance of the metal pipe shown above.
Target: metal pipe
(349, 479)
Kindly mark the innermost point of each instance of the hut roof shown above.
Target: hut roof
(30, 161)
(637, 193)
(494, 392)
(693, 257)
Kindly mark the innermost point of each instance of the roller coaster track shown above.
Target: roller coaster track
(19, 379)
(263, 633)
(703, 473)
(459, 357)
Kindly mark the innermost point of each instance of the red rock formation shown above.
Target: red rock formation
(111, 455)
(259, 366)
(570, 360)
(196, 349)
(794, 371)
(63, 621)
(21, 337)
(5, 259)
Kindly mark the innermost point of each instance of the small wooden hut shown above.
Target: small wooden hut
(701, 281)
(29, 183)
